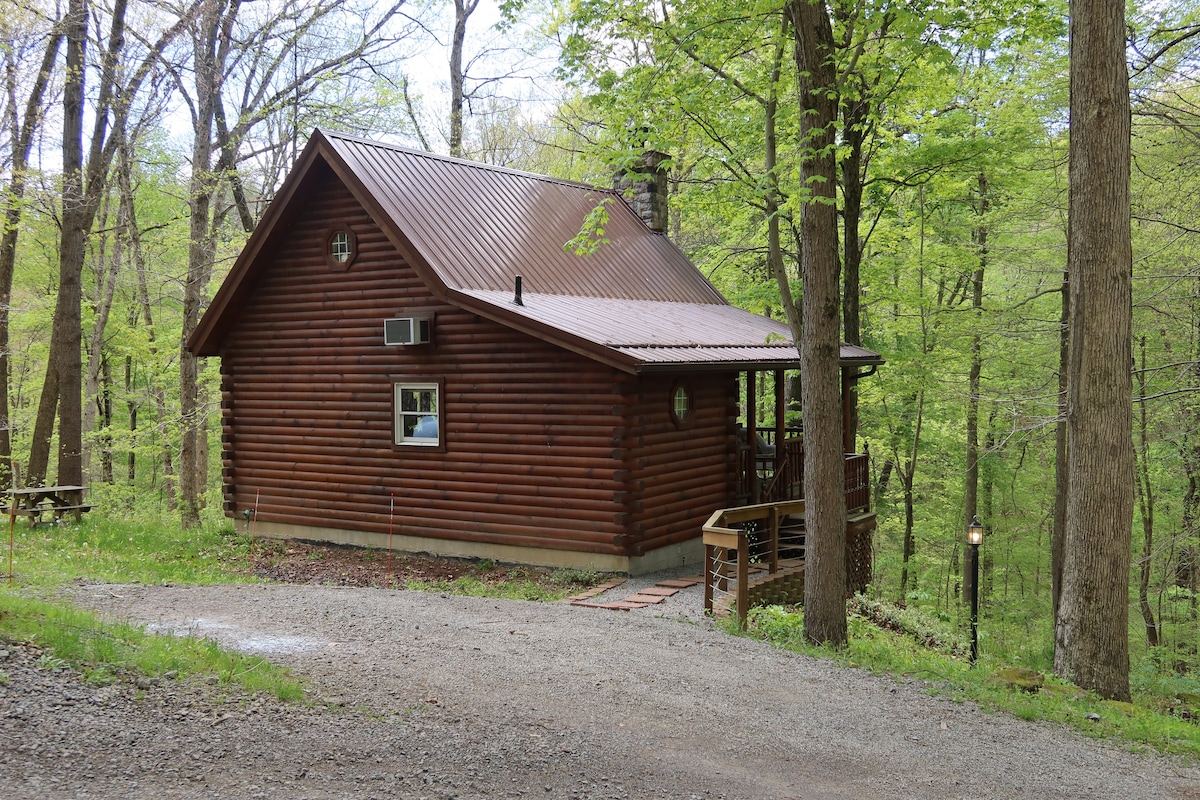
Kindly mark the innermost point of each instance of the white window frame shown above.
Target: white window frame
(400, 416)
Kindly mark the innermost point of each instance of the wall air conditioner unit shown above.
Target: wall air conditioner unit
(407, 330)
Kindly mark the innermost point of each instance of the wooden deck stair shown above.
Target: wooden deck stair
(754, 555)
(782, 588)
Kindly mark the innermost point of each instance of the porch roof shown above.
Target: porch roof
(655, 336)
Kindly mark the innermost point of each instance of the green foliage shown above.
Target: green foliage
(591, 236)
(929, 632)
(576, 578)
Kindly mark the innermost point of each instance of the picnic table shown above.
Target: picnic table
(37, 501)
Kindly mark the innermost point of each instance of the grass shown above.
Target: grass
(105, 652)
(905, 650)
(126, 551)
(113, 550)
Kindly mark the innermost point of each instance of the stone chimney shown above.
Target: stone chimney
(644, 187)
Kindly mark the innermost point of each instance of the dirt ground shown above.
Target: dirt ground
(328, 565)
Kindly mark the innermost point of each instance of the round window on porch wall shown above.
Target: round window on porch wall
(340, 248)
(682, 405)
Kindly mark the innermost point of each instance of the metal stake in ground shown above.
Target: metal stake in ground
(391, 516)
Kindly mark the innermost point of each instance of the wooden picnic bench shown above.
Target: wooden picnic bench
(38, 501)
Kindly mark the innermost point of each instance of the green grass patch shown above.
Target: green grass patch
(924, 648)
(104, 652)
(115, 550)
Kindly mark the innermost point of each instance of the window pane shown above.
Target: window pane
(426, 427)
(339, 247)
(408, 400)
(682, 404)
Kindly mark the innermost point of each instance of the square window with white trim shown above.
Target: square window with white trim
(418, 415)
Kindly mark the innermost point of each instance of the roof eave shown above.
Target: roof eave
(648, 367)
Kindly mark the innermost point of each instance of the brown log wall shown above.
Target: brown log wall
(678, 475)
(534, 436)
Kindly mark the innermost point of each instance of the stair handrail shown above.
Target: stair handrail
(719, 536)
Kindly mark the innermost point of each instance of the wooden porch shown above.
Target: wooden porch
(754, 552)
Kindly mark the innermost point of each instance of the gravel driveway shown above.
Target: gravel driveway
(441, 697)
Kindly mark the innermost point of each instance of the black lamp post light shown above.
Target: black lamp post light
(974, 539)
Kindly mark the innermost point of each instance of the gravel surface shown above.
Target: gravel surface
(425, 695)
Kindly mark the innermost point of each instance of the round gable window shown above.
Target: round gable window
(682, 405)
(340, 249)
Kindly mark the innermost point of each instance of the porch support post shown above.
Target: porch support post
(847, 390)
(752, 431)
(780, 422)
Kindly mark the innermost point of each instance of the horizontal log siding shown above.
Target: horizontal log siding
(678, 476)
(534, 450)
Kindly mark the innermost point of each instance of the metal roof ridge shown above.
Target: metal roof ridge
(698, 346)
(465, 162)
(525, 293)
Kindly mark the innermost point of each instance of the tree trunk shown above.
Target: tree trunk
(22, 146)
(81, 196)
(908, 476)
(106, 407)
(772, 200)
(824, 468)
(68, 314)
(192, 472)
(102, 302)
(1145, 501)
(1059, 534)
(971, 490)
(1092, 629)
(463, 9)
(854, 119)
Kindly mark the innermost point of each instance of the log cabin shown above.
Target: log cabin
(412, 356)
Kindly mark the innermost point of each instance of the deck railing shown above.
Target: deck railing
(779, 476)
(729, 537)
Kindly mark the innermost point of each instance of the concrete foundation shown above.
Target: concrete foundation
(685, 554)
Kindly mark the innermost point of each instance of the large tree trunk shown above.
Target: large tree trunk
(1092, 629)
(81, 196)
(824, 469)
(68, 314)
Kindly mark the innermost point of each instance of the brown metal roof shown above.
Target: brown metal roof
(479, 226)
(469, 229)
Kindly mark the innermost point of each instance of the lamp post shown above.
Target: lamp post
(974, 539)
